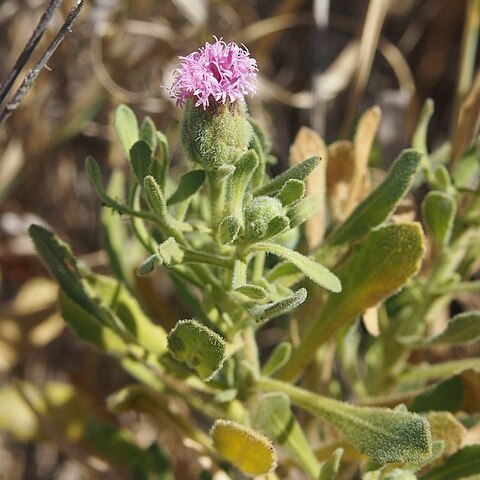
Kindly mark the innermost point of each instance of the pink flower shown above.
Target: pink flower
(217, 72)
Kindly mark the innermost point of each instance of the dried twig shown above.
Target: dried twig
(33, 73)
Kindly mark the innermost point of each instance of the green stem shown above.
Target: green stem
(192, 256)
(457, 288)
(217, 199)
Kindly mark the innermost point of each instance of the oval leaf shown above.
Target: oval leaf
(202, 349)
(251, 452)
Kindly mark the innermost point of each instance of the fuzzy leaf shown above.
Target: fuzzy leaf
(384, 435)
(275, 419)
(299, 172)
(377, 269)
(291, 192)
(255, 292)
(189, 185)
(276, 226)
(438, 211)
(277, 359)
(141, 159)
(241, 178)
(202, 349)
(380, 204)
(302, 211)
(126, 126)
(228, 230)
(249, 451)
(275, 309)
(313, 270)
(158, 204)
(463, 464)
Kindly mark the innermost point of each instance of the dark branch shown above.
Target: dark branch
(33, 73)
(29, 48)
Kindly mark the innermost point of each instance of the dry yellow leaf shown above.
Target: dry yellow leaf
(340, 171)
(306, 144)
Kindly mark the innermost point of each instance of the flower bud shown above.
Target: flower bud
(217, 135)
(259, 213)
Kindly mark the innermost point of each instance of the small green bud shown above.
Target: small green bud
(259, 213)
(217, 135)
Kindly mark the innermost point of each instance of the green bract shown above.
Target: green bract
(217, 136)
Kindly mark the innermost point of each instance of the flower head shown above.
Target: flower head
(218, 71)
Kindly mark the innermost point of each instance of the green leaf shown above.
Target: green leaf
(249, 451)
(141, 159)
(438, 211)
(121, 302)
(378, 268)
(202, 349)
(240, 181)
(427, 372)
(461, 329)
(255, 292)
(90, 328)
(291, 192)
(277, 359)
(114, 235)
(275, 309)
(148, 264)
(126, 126)
(384, 435)
(162, 158)
(158, 204)
(299, 172)
(419, 140)
(148, 133)
(465, 463)
(189, 185)
(62, 265)
(275, 419)
(330, 468)
(228, 230)
(313, 270)
(381, 203)
(299, 213)
(276, 226)
(445, 396)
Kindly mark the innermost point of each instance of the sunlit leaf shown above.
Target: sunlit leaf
(202, 349)
(249, 451)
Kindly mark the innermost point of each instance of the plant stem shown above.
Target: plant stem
(217, 199)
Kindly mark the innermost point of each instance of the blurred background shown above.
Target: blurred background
(321, 64)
